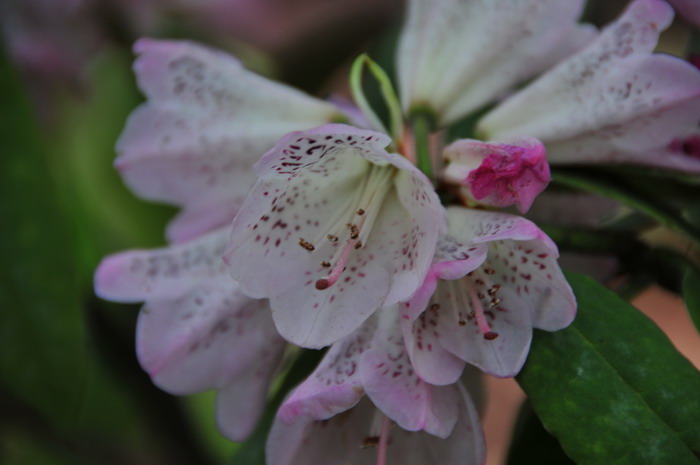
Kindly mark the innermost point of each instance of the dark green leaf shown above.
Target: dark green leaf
(612, 388)
(532, 444)
(640, 190)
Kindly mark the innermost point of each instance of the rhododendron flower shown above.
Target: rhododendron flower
(455, 56)
(608, 100)
(335, 228)
(498, 174)
(197, 331)
(614, 101)
(372, 361)
(206, 122)
(494, 278)
(354, 437)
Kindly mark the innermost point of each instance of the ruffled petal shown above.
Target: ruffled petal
(391, 383)
(454, 56)
(523, 258)
(373, 361)
(165, 273)
(312, 187)
(206, 122)
(335, 385)
(485, 315)
(612, 102)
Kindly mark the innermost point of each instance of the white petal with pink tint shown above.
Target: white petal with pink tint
(344, 439)
(484, 317)
(373, 361)
(206, 122)
(334, 229)
(213, 337)
(614, 101)
(454, 57)
(165, 273)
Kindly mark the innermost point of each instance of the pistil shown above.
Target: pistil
(478, 311)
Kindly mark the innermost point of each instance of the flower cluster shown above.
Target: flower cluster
(304, 224)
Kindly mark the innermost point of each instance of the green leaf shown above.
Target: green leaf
(532, 444)
(691, 292)
(639, 189)
(40, 295)
(612, 388)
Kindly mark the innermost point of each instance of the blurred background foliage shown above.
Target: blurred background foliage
(71, 389)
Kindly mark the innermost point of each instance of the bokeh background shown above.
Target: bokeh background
(71, 390)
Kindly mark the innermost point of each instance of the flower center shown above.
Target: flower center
(350, 228)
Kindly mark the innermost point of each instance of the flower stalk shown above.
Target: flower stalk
(421, 125)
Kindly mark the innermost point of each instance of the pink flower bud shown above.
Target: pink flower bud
(499, 174)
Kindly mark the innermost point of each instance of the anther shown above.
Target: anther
(354, 231)
(306, 245)
(360, 212)
(358, 244)
(369, 442)
(435, 307)
(332, 238)
(462, 322)
(326, 264)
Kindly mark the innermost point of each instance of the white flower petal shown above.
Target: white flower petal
(206, 122)
(456, 56)
(279, 242)
(612, 102)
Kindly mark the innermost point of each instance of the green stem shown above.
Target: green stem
(421, 130)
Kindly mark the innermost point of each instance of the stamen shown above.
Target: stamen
(478, 311)
(375, 187)
(306, 245)
(369, 442)
(354, 231)
(338, 268)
